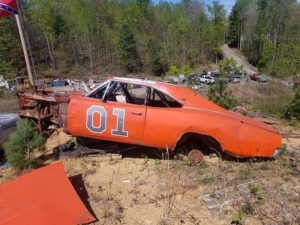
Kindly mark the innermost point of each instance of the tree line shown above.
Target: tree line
(268, 32)
(98, 36)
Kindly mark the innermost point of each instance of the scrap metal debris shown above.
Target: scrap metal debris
(219, 199)
(72, 149)
(43, 196)
(44, 108)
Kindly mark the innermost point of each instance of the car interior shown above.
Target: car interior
(134, 94)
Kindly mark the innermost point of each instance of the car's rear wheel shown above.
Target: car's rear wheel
(195, 156)
(191, 152)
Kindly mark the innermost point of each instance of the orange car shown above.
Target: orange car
(162, 115)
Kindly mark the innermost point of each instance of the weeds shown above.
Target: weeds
(254, 189)
(208, 180)
(244, 173)
(264, 166)
(157, 162)
(238, 220)
(248, 208)
(9, 103)
(269, 98)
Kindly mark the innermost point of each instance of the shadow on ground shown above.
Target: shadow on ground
(80, 188)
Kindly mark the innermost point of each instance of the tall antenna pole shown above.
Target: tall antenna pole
(24, 49)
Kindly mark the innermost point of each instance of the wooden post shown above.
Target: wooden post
(24, 49)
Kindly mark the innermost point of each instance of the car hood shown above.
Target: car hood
(200, 103)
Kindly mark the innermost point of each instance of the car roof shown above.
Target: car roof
(146, 82)
(173, 90)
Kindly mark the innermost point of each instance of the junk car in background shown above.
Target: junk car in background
(259, 77)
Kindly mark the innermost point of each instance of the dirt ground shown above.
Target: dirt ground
(143, 189)
(146, 190)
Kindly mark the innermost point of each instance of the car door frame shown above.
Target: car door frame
(132, 110)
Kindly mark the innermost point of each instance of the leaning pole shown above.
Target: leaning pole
(24, 46)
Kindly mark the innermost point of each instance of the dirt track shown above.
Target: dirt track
(240, 58)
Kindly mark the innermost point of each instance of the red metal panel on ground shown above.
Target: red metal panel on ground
(42, 197)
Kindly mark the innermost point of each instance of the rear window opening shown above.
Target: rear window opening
(159, 99)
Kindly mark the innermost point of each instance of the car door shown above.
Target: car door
(127, 122)
(163, 121)
(108, 118)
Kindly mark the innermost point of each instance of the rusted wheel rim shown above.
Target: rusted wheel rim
(195, 156)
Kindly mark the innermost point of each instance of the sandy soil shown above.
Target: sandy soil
(141, 191)
(152, 191)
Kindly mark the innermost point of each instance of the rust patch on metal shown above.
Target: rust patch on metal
(44, 108)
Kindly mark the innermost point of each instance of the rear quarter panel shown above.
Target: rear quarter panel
(164, 126)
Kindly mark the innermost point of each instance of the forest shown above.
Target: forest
(268, 32)
(99, 36)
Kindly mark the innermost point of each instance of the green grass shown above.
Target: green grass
(9, 103)
(269, 98)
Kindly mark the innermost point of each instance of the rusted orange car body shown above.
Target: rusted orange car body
(157, 114)
(42, 197)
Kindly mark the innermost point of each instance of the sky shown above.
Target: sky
(227, 3)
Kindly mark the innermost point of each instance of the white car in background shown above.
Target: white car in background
(3, 83)
(207, 79)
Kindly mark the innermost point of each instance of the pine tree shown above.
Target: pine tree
(156, 63)
(128, 49)
(21, 143)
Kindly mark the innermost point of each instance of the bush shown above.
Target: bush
(174, 70)
(21, 143)
(185, 70)
(228, 65)
(219, 95)
(293, 109)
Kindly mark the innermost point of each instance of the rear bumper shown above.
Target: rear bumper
(276, 153)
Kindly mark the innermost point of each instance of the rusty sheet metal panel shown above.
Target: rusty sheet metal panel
(42, 197)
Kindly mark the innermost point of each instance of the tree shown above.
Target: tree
(128, 49)
(156, 63)
(21, 144)
(217, 15)
(11, 60)
(219, 94)
(266, 31)
(228, 65)
(75, 37)
(237, 20)
(293, 109)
